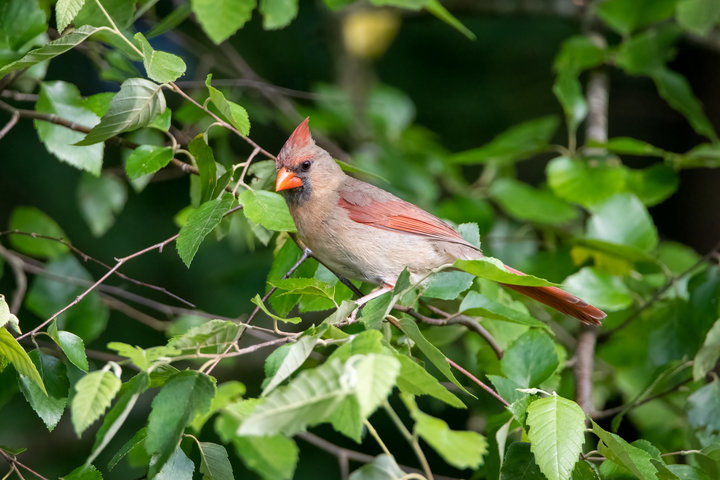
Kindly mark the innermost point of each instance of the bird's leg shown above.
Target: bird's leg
(370, 296)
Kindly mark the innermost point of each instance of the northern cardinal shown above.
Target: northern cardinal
(365, 233)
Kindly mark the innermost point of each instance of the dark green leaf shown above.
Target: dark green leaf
(708, 355)
(206, 166)
(137, 441)
(48, 406)
(185, 394)
(32, 220)
(530, 360)
(698, 16)
(273, 457)
(100, 200)
(704, 407)
(415, 380)
(676, 91)
(11, 351)
(578, 53)
(653, 184)
(519, 463)
(133, 107)
(616, 449)
(200, 223)
(647, 52)
(72, 345)
(215, 464)
(20, 22)
(569, 93)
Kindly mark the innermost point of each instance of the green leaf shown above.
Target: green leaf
(63, 99)
(676, 91)
(143, 358)
(278, 13)
(629, 146)
(171, 20)
(493, 269)
(374, 312)
(147, 159)
(569, 93)
(20, 22)
(461, 449)
(177, 467)
(704, 407)
(415, 380)
(210, 337)
(185, 394)
(296, 355)
(136, 441)
(221, 19)
(625, 16)
(160, 66)
(93, 394)
(267, 209)
(648, 52)
(436, 357)
(606, 291)
(115, 418)
(32, 220)
(200, 223)
(557, 434)
(383, 467)
(698, 16)
(71, 345)
(477, 304)
(84, 472)
(258, 301)
(530, 360)
(617, 450)
(215, 464)
(207, 168)
(304, 286)
(520, 464)
(100, 200)
(48, 406)
(121, 11)
(524, 202)
(65, 11)
(133, 107)
(310, 398)
(584, 471)
(273, 457)
(578, 53)
(10, 350)
(437, 9)
(623, 220)
(708, 354)
(583, 182)
(448, 285)
(7, 318)
(653, 184)
(516, 143)
(376, 376)
(226, 393)
(49, 50)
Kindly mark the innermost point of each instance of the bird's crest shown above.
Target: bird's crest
(295, 148)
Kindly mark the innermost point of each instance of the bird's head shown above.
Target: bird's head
(302, 166)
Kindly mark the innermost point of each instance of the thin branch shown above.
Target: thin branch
(85, 257)
(615, 410)
(473, 325)
(119, 262)
(20, 279)
(411, 439)
(134, 313)
(479, 382)
(656, 296)
(10, 124)
(14, 462)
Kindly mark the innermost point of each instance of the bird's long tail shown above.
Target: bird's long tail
(561, 301)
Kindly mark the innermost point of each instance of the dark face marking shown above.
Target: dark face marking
(299, 195)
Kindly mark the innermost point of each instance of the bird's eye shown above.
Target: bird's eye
(305, 166)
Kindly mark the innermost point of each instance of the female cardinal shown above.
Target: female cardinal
(365, 233)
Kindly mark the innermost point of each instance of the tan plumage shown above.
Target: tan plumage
(365, 233)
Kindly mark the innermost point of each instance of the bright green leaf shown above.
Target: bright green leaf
(530, 360)
(72, 345)
(143, 358)
(220, 19)
(383, 467)
(708, 354)
(524, 202)
(147, 159)
(32, 220)
(493, 269)
(569, 93)
(606, 291)
(616, 449)
(278, 13)
(477, 304)
(654, 184)
(623, 220)
(448, 285)
(625, 16)
(160, 66)
(698, 16)
(295, 356)
(93, 394)
(83, 472)
(583, 182)
(209, 337)
(578, 53)
(10, 350)
(415, 380)
(6, 317)
(177, 467)
(273, 457)
(65, 11)
(258, 301)
(267, 209)
(20, 22)
(557, 434)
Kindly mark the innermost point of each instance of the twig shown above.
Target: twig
(85, 257)
(134, 313)
(656, 296)
(480, 383)
(119, 262)
(474, 326)
(411, 439)
(15, 463)
(10, 124)
(615, 410)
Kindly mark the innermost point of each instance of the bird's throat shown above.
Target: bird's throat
(298, 196)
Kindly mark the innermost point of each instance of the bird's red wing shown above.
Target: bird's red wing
(400, 216)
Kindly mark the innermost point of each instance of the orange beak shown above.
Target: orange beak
(286, 180)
